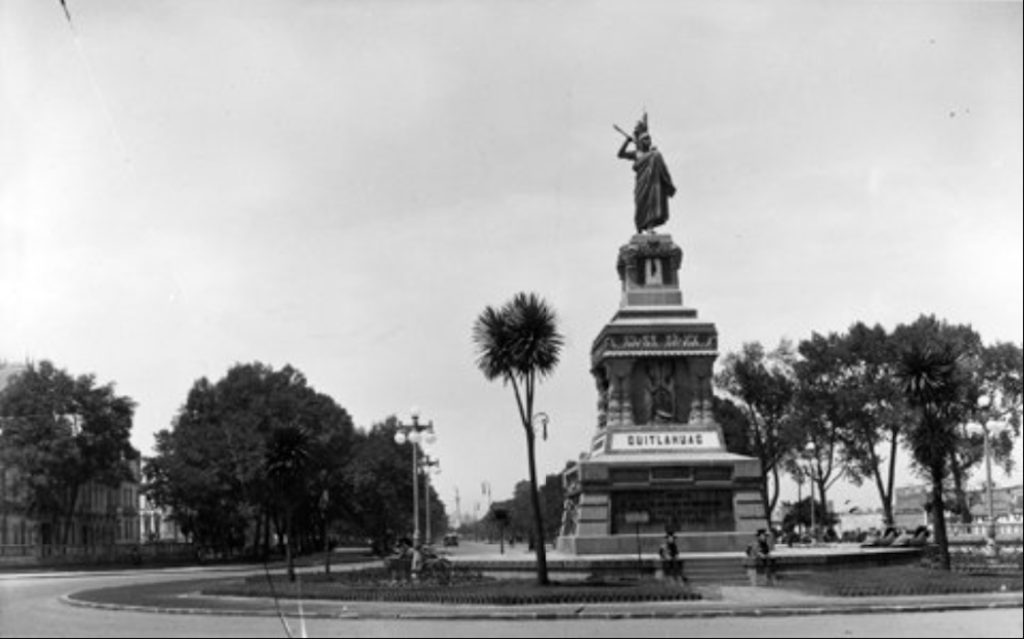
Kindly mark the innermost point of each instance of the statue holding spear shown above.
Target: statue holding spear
(653, 183)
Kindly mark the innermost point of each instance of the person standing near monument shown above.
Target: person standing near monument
(653, 183)
(761, 551)
(675, 564)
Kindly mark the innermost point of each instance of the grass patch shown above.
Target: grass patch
(901, 581)
(465, 588)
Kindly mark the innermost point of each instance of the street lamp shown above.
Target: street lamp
(540, 420)
(811, 451)
(414, 434)
(429, 466)
(800, 476)
(985, 405)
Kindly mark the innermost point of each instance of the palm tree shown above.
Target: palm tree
(930, 380)
(519, 344)
(288, 458)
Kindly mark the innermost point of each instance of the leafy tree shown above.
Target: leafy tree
(996, 377)
(826, 400)
(1003, 379)
(520, 344)
(799, 515)
(213, 469)
(765, 387)
(877, 413)
(552, 499)
(61, 433)
(379, 476)
(735, 427)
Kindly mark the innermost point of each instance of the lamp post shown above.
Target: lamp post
(800, 478)
(810, 450)
(413, 433)
(429, 466)
(985, 405)
(541, 420)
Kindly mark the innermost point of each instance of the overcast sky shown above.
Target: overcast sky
(344, 186)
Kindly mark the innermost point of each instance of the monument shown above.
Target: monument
(657, 455)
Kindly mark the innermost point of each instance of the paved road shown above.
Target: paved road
(30, 606)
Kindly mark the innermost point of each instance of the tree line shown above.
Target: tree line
(255, 462)
(261, 456)
(844, 406)
(512, 519)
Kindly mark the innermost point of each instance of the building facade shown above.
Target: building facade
(156, 525)
(103, 515)
(911, 502)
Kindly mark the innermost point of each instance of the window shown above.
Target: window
(713, 474)
(679, 510)
(630, 476)
(673, 473)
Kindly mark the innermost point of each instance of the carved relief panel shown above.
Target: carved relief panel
(661, 391)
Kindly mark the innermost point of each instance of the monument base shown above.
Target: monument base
(711, 501)
(658, 461)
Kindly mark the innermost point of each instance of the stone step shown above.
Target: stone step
(699, 570)
(718, 571)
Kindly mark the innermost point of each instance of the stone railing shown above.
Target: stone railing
(1007, 531)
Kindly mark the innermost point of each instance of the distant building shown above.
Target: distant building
(909, 506)
(15, 528)
(911, 501)
(857, 520)
(103, 515)
(1006, 503)
(156, 525)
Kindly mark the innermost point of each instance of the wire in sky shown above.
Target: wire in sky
(67, 13)
(95, 83)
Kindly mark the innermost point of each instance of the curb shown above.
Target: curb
(581, 614)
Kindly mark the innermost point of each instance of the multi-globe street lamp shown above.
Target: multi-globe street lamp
(430, 467)
(415, 433)
(811, 452)
(995, 408)
(800, 476)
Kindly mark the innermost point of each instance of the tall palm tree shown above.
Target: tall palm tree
(288, 459)
(931, 382)
(520, 344)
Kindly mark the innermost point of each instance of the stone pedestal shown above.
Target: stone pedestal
(657, 448)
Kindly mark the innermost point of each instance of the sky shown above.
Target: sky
(344, 186)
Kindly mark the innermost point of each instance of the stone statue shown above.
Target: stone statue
(653, 183)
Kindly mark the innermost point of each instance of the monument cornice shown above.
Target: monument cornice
(652, 343)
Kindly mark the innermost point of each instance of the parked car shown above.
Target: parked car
(451, 539)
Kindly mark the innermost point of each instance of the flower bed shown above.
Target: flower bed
(464, 588)
(903, 581)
